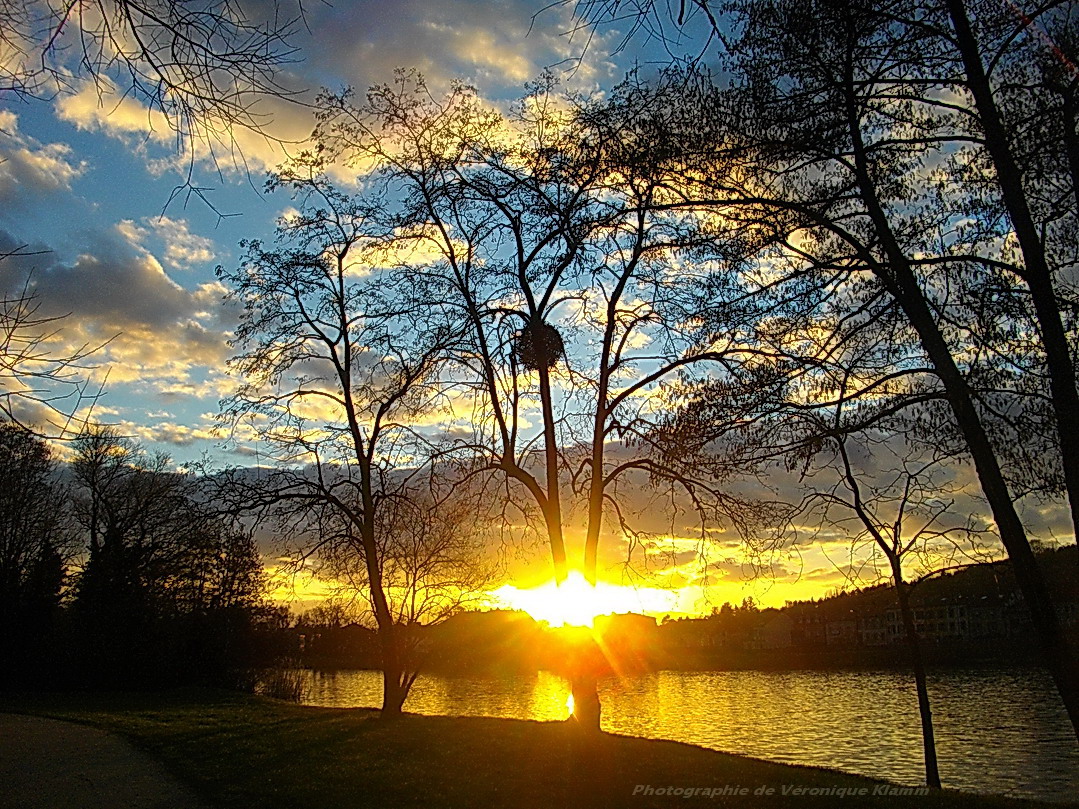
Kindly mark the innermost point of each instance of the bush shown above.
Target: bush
(285, 682)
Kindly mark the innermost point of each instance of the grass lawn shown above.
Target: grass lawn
(240, 751)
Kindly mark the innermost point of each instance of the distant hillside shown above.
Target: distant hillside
(963, 616)
(991, 580)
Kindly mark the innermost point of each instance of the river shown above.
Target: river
(999, 730)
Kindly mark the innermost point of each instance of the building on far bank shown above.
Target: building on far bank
(774, 632)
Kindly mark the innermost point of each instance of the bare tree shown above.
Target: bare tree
(433, 559)
(35, 537)
(505, 246)
(163, 576)
(141, 522)
(874, 157)
(883, 487)
(40, 385)
(577, 294)
(338, 360)
(880, 133)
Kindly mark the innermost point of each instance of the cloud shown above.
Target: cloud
(154, 332)
(495, 44)
(171, 433)
(102, 107)
(216, 145)
(31, 168)
(182, 248)
(491, 43)
(846, 576)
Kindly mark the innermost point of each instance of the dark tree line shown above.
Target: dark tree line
(35, 543)
(117, 573)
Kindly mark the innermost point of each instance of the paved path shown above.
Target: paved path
(47, 764)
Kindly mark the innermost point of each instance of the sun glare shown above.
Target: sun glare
(577, 603)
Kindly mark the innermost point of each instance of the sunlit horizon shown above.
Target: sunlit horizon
(575, 602)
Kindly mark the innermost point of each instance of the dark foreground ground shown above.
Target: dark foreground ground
(224, 750)
(48, 764)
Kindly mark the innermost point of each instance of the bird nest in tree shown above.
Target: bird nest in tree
(539, 345)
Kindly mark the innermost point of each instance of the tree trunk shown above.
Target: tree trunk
(584, 661)
(393, 689)
(1037, 273)
(900, 280)
(586, 706)
(1056, 652)
(393, 694)
(917, 663)
(553, 512)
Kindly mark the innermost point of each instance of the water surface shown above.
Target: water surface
(1000, 730)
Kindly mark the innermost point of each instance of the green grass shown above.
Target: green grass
(247, 752)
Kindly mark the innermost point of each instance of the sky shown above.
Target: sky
(93, 183)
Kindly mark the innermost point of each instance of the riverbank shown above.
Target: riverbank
(237, 751)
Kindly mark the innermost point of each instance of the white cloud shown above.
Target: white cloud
(497, 44)
(214, 144)
(100, 107)
(116, 294)
(28, 167)
(182, 249)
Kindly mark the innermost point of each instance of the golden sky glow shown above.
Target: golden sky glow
(577, 603)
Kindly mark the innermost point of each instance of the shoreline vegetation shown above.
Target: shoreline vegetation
(242, 751)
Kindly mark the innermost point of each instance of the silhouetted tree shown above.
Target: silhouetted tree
(164, 578)
(338, 358)
(877, 486)
(433, 561)
(873, 128)
(546, 236)
(881, 135)
(36, 542)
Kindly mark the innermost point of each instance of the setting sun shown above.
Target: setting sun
(577, 603)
